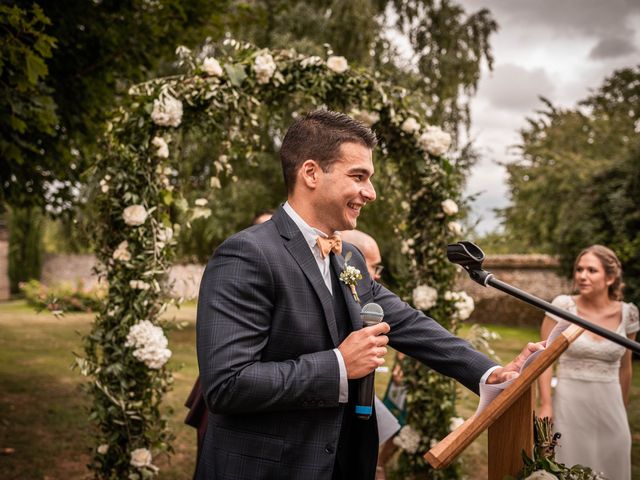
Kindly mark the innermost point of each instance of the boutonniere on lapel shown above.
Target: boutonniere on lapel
(350, 276)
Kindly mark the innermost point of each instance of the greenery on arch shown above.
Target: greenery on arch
(227, 99)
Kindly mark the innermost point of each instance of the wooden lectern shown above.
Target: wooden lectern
(509, 418)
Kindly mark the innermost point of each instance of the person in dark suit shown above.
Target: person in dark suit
(279, 336)
(197, 416)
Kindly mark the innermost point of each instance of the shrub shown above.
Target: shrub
(63, 297)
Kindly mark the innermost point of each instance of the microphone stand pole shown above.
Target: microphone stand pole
(470, 257)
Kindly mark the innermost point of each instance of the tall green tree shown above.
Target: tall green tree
(27, 111)
(54, 102)
(576, 183)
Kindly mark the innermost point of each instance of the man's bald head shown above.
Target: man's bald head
(369, 248)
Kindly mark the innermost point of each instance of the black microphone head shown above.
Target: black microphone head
(466, 254)
(371, 314)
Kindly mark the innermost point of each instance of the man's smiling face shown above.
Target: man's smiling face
(345, 188)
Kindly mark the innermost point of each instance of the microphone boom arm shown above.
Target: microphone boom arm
(470, 257)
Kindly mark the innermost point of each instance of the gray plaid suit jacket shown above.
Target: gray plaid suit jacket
(266, 329)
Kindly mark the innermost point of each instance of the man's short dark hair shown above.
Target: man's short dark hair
(318, 136)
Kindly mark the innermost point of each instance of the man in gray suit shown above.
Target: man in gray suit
(279, 336)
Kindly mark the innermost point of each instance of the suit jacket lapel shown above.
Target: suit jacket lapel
(299, 249)
(337, 262)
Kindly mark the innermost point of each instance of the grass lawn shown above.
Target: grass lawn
(44, 433)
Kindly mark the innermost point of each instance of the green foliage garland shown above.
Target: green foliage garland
(139, 207)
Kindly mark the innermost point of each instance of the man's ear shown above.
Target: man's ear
(309, 173)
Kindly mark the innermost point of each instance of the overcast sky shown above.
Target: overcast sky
(559, 49)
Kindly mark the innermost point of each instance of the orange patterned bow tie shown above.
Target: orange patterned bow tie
(329, 244)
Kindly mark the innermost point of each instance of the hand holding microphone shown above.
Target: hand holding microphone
(364, 350)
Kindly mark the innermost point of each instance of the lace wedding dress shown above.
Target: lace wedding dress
(588, 409)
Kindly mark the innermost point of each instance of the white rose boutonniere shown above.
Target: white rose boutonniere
(350, 276)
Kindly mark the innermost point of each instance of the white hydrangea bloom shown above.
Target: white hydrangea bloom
(162, 148)
(435, 141)
(212, 67)
(265, 67)
(337, 64)
(410, 126)
(455, 228)
(424, 297)
(407, 439)
(463, 304)
(449, 207)
(134, 215)
(121, 253)
(167, 111)
(149, 343)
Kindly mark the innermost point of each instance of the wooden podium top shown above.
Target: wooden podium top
(447, 450)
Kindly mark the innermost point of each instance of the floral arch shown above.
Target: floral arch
(138, 201)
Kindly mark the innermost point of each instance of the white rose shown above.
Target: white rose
(140, 457)
(167, 111)
(214, 182)
(139, 285)
(424, 297)
(435, 141)
(201, 202)
(103, 449)
(264, 66)
(541, 475)
(455, 228)
(161, 146)
(134, 215)
(410, 126)
(212, 67)
(455, 423)
(104, 188)
(122, 253)
(337, 64)
(449, 207)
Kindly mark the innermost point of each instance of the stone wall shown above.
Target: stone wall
(535, 274)
(77, 269)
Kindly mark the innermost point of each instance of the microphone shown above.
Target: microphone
(371, 314)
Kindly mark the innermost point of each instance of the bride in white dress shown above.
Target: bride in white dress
(594, 374)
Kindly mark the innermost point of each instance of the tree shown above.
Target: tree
(575, 184)
(27, 111)
(55, 103)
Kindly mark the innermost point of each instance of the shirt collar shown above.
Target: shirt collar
(310, 234)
